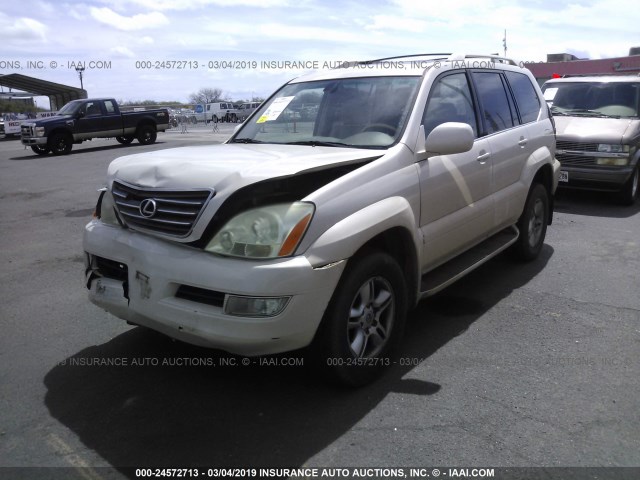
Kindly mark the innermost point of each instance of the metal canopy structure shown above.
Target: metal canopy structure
(58, 94)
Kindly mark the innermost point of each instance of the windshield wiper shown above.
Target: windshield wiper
(245, 140)
(593, 113)
(318, 143)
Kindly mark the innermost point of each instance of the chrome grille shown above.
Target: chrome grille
(577, 160)
(26, 131)
(169, 212)
(577, 146)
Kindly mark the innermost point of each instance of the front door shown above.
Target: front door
(456, 203)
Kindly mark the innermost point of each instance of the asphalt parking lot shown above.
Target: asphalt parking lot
(514, 366)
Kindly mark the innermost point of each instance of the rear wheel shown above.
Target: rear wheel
(147, 134)
(364, 321)
(629, 193)
(124, 140)
(533, 224)
(40, 149)
(60, 144)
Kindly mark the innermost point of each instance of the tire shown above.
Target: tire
(533, 224)
(40, 149)
(124, 140)
(147, 134)
(364, 321)
(60, 144)
(629, 194)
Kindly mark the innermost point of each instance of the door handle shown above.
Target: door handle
(523, 141)
(483, 157)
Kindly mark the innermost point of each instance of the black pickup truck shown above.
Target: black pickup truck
(81, 120)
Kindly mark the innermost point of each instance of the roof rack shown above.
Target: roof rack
(434, 56)
(438, 55)
(498, 58)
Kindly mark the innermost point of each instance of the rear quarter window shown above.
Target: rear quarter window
(526, 96)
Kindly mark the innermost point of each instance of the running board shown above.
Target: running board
(452, 271)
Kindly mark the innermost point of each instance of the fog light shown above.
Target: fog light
(255, 306)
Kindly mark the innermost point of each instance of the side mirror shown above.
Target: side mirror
(80, 114)
(449, 138)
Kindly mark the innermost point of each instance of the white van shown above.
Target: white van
(220, 112)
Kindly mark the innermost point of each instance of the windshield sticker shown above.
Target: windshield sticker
(275, 109)
(550, 93)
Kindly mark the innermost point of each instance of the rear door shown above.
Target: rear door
(456, 202)
(112, 120)
(511, 141)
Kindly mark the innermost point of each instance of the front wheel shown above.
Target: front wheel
(364, 321)
(60, 144)
(533, 224)
(124, 140)
(629, 193)
(147, 134)
(40, 149)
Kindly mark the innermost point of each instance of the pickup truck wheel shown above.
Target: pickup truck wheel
(364, 321)
(40, 149)
(147, 134)
(124, 140)
(60, 144)
(629, 193)
(533, 224)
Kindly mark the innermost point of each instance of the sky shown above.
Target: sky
(164, 50)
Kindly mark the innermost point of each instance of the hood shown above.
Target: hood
(41, 122)
(228, 166)
(592, 129)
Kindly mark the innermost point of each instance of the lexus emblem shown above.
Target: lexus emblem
(148, 207)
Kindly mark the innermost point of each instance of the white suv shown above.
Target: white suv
(349, 196)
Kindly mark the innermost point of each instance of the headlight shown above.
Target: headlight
(612, 148)
(39, 131)
(266, 232)
(613, 162)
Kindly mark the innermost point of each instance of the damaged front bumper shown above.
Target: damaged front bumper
(184, 292)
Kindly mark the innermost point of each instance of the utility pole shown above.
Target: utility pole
(504, 42)
(80, 70)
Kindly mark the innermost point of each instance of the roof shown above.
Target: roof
(58, 94)
(616, 66)
(597, 78)
(410, 65)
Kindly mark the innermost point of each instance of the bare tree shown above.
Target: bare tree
(206, 95)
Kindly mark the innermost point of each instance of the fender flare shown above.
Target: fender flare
(346, 237)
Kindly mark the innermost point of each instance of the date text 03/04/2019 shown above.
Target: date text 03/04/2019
(315, 472)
